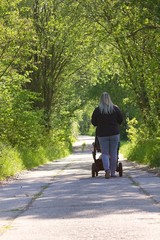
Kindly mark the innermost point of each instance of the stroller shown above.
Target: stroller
(98, 165)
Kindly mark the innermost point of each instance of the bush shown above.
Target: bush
(143, 146)
(145, 152)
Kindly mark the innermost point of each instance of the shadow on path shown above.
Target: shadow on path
(65, 189)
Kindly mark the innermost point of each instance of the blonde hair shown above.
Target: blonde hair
(106, 106)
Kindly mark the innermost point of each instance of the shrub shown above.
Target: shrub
(143, 146)
(145, 152)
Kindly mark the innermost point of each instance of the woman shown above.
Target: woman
(107, 117)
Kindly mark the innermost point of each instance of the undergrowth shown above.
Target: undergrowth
(10, 161)
(14, 160)
(144, 152)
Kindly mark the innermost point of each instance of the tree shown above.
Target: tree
(133, 31)
(18, 122)
(62, 47)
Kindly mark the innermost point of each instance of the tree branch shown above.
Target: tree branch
(143, 28)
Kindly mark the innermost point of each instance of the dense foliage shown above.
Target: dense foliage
(57, 57)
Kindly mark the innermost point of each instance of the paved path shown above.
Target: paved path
(61, 201)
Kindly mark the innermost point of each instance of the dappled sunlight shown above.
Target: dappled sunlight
(76, 198)
(65, 189)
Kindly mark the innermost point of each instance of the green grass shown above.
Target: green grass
(13, 160)
(10, 161)
(145, 152)
(49, 151)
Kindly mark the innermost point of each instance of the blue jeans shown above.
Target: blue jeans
(109, 148)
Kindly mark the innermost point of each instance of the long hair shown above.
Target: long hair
(106, 105)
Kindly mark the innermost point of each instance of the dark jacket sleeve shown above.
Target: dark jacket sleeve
(94, 118)
(119, 115)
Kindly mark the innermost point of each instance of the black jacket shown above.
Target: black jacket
(107, 124)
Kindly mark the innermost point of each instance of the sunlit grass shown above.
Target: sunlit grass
(145, 152)
(10, 161)
(14, 160)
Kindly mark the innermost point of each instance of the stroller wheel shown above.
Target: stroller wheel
(120, 169)
(93, 170)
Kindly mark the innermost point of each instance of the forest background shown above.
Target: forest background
(57, 57)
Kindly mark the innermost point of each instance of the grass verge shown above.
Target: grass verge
(13, 160)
